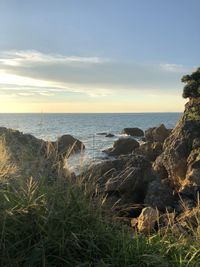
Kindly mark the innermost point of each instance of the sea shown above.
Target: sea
(88, 128)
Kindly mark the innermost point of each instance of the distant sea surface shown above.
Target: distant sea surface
(86, 127)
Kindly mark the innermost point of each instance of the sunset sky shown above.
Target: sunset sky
(96, 55)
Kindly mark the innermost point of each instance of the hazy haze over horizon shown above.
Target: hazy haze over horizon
(96, 56)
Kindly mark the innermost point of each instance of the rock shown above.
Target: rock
(193, 166)
(134, 222)
(67, 145)
(129, 184)
(151, 150)
(159, 195)
(159, 169)
(130, 212)
(180, 157)
(147, 219)
(123, 146)
(188, 197)
(110, 135)
(100, 173)
(32, 156)
(103, 133)
(196, 143)
(157, 134)
(137, 132)
(126, 177)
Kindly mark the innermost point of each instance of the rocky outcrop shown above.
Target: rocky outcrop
(125, 178)
(151, 150)
(35, 157)
(123, 146)
(153, 142)
(180, 160)
(157, 134)
(136, 132)
(159, 177)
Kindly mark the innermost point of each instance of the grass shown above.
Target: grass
(58, 224)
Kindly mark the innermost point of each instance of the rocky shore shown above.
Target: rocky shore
(158, 178)
(144, 183)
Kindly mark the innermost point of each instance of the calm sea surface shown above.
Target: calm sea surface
(86, 127)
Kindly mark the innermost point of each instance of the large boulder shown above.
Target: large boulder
(33, 157)
(157, 134)
(131, 184)
(137, 132)
(123, 146)
(126, 178)
(180, 157)
(67, 145)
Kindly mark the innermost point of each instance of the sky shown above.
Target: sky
(96, 55)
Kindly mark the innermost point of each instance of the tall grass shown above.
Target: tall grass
(7, 168)
(58, 225)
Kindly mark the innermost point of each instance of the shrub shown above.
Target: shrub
(192, 87)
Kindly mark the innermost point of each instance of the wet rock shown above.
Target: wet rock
(103, 133)
(110, 135)
(137, 132)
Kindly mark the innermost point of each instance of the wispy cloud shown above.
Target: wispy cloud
(26, 94)
(30, 73)
(24, 58)
(176, 68)
(46, 94)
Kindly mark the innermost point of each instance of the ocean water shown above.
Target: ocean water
(86, 127)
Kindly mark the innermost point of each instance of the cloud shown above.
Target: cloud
(46, 94)
(26, 94)
(176, 68)
(33, 72)
(24, 58)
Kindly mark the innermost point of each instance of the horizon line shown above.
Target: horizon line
(132, 112)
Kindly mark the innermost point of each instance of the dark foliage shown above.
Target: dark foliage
(192, 87)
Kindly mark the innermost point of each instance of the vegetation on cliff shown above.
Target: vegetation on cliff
(192, 87)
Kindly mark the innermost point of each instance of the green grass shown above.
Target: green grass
(58, 225)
